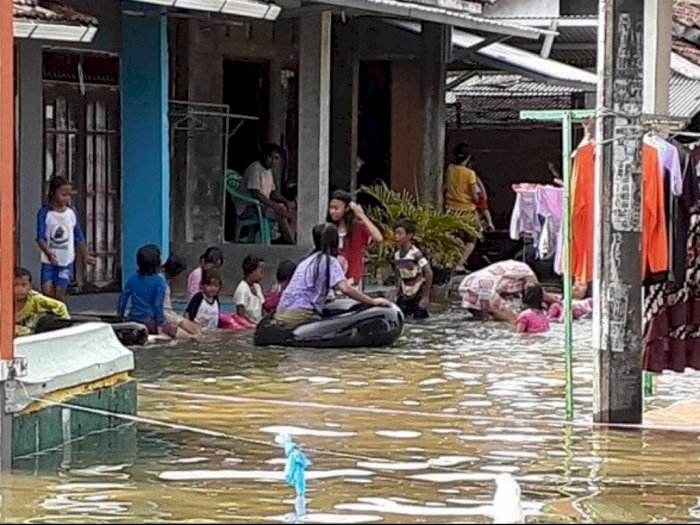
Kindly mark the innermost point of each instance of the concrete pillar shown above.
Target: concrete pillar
(314, 117)
(145, 131)
(658, 19)
(30, 171)
(204, 190)
(344, 103)
(436, 40)
(618, 215)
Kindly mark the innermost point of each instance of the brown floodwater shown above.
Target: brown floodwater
(465, 401)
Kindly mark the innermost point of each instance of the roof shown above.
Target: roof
(50, 11)
(260, 9)
(51, 20)
(515, 60)
(420, 10)
(488, 98)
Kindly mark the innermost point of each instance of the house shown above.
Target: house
(145, 104)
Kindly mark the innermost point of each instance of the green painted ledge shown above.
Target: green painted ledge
(52, 426)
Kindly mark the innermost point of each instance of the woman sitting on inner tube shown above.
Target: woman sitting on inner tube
(319, 273)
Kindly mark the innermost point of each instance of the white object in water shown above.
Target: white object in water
(506, 500)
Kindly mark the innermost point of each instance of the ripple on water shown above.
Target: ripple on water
(300, 431)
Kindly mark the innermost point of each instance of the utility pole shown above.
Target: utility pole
(618, 214)
(7, 221)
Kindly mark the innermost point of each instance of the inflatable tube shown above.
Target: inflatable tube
(344, 324)
(128, 333)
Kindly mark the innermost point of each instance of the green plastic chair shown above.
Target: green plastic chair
(234, 187)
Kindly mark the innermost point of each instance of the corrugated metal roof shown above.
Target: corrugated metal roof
(684, 97)
(514, 59)
(498, 98)
(457, 18)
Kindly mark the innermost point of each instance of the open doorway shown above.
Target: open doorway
(374, 122)
(246, 92)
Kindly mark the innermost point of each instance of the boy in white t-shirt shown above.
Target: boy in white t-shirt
(249, 297)
(204, 308)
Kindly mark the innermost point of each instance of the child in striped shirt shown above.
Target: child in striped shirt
(415, 277)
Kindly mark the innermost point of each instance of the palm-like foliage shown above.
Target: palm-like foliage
(439, 233)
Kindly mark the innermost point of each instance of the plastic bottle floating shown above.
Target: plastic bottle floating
(506, 501)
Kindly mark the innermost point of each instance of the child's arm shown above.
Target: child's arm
(42, 238)
(427, 286)
(241, 312)
(159, 302)
(520, 327)
(192, 307)
(374, 232)
(53, 306)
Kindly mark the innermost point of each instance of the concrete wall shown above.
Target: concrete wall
(507, 155)
(145, 138)
(31, 141)
(525, 8)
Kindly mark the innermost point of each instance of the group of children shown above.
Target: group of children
(335, 265)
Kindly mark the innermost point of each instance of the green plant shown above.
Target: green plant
(439, 233)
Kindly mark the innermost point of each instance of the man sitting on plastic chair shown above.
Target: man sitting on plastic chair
(260, 183)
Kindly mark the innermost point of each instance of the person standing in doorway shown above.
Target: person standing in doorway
(462, 193)
(58, 231)
(259, 180)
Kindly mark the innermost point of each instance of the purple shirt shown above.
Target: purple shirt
(308, 288)
(534, 321)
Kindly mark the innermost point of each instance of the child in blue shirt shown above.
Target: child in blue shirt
(146, 289)
(58, 231)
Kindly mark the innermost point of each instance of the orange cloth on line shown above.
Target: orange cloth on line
(654, 232)
(583, 209)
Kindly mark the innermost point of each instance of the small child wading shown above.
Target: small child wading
(146, 291)
(415, 277)
(57, 233)
(204, 308)
(285, 270)
(534, 319)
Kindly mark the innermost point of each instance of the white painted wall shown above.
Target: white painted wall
(548, 8)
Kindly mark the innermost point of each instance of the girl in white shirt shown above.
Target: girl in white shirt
(204, 308)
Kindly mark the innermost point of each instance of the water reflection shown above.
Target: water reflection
(368, 467)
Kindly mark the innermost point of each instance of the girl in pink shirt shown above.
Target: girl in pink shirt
(211, 259)
(534, 319)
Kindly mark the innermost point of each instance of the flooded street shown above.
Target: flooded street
(496, 396)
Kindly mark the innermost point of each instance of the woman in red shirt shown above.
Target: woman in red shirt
(356, 233)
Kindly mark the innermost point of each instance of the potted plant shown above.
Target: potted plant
(439, 233)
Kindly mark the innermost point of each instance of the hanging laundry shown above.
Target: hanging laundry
(583, 208)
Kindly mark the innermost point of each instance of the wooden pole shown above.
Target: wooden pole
(7, 219)
(7, 182)
(618, 218)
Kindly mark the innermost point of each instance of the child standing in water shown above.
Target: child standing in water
(211, 259)
(414, 272)
(249, 297)
(534, 319)
(146, 290)
(355, 232)
(58, 231)
(204, 308)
